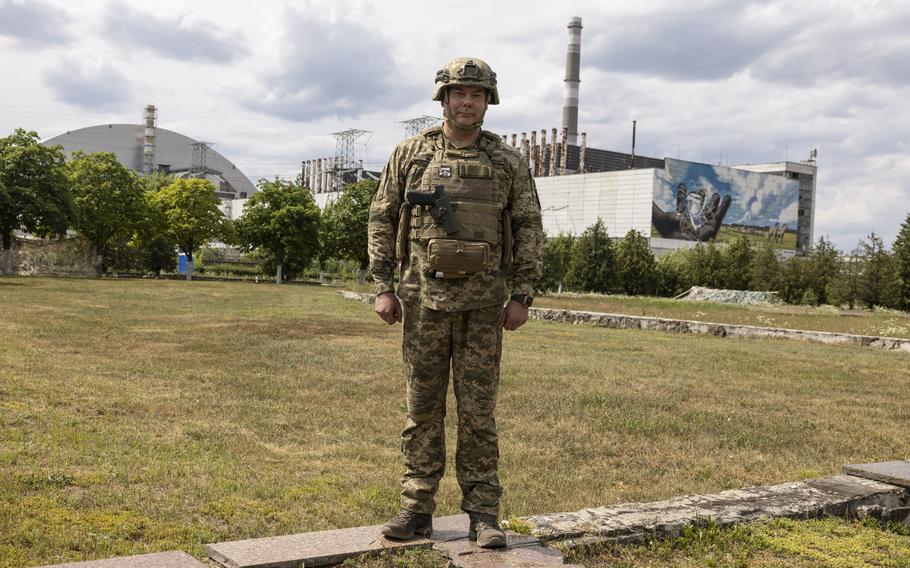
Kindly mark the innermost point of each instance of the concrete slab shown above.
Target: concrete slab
(176, 559)
(520, 552)
(325, 547)
(893, 472)
(841, 495)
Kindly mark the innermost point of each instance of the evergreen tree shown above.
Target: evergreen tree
(635, 265)
(672, 273)
(823, 266)
(901, 250)
(880, 281)
(737, 261)
(794, 281)
(592, 268)
(706, 267)
(556, 254)
(765, 269)
(844, 288)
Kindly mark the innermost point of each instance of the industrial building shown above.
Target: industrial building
(146, 148)
(674, 203)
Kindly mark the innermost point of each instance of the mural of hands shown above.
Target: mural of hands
(698, 217)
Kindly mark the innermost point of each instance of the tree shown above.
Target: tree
(556, 254)
(765, 269)
(706, 266)
(345, 222)
(672, 273)
(823, 266)
(592, 268)
(635, 265)
(107, 198)
(737, 261)
(901, 251)
(793, 280)
(879, 282)
(282, 222)
(845, 287)
(34, 192)
(191, 217)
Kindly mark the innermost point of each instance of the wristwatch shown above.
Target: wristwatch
(522, 299)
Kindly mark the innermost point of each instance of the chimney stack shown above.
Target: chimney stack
(573, 65)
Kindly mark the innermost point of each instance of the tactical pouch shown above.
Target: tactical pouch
(450, 258)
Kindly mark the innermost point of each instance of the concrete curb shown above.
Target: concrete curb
(622, 321)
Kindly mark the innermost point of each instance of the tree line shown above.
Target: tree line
(868, 276)
(137, 223)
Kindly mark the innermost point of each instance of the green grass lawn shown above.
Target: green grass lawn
(139, 416)
(888, 323)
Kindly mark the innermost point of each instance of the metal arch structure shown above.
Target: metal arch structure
(172, 151)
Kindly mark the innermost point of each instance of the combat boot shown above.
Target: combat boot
(486, 531)
(408, 525)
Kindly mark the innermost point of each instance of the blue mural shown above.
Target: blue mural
(701, 202)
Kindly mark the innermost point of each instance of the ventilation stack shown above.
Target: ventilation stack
(150, 120)
(573, 67)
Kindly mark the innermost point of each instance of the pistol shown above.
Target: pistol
(440, 207)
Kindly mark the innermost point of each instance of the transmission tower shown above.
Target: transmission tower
(200, 149)
(344, 148)
(415, 125)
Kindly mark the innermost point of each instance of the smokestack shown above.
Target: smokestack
(581, 153)
(553, 158)
(150, 123)
(573, 65)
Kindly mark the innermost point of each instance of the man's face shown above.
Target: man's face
(467, 104)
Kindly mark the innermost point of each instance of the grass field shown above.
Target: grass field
(138, 416)
(889, 323)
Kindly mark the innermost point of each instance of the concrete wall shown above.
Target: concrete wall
(51, 257)
(621, 199)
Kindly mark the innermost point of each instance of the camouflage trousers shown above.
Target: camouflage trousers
(470, 343)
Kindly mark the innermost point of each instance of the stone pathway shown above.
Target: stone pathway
(178, 559)
(450, 536)
(840, 495)
(852, 496)
(622, 321)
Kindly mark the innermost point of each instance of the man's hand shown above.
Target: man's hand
(514, 315)
(388, 308)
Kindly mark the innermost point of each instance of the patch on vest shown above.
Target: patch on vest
(445, 171)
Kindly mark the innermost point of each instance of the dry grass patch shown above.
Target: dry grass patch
(138, 416)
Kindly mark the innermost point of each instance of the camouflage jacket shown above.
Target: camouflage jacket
(405, 171)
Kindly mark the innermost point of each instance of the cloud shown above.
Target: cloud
(868, 44)
(322, 69)
(87, 82)
(707, 42)
(185, 38)
(33, 23)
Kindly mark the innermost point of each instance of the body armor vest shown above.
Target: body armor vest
(477, 189)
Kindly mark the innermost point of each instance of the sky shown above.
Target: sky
(268, 82)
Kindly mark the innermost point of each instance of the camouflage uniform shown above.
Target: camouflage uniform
(454, 322)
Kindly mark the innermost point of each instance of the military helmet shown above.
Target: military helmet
(466, 71)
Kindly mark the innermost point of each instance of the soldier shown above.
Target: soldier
(453, 290)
